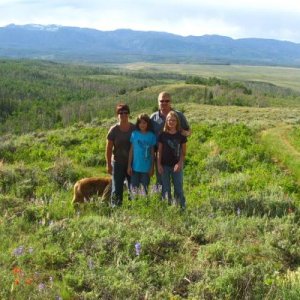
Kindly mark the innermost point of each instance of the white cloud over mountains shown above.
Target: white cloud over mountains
(238, 19)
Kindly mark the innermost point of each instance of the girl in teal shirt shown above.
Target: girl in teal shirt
(141, 154)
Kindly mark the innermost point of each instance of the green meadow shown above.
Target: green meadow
(239, 237)
(281, 76)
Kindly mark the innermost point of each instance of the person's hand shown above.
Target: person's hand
(185, 132)
(109, 169)
(160, 169)
(129, 171)
(177, 167)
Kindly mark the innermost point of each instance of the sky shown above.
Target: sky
(272, 19)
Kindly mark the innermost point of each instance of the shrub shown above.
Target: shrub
(63, 172)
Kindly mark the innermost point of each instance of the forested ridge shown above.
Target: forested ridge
(43, 95)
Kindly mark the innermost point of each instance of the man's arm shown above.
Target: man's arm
(186, 132)
(185, 127)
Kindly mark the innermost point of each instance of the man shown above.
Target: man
(158, 120)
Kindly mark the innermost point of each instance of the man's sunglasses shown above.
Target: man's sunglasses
(123, 112)
(164, 101)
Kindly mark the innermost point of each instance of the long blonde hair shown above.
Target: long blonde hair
(172, 113)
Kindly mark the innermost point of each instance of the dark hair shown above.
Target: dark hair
(122, 107)
(145, 118)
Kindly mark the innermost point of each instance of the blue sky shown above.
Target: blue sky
(234, 18)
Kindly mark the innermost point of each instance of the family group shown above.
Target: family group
(132, 151)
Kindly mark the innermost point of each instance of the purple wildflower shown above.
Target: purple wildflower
(134, 192)
(41, 287)
(90, 263)
(142, 191)
(159, 188)
(156, 189)
(19, 251)
(138, 248)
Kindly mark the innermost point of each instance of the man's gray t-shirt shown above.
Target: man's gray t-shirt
(158, 121)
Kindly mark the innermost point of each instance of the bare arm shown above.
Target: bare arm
(186, 132)
(183, 152)
(179, 165)
(108, 155)
(151, 171)
(185, 127)
(159, 153)
(130, 156)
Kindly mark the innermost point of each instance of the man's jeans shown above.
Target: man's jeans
(177, 178)
(119, 174)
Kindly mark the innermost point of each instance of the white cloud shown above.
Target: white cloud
(235, 18)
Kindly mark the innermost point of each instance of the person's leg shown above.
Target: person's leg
(166, 184)
(177, 178)
(118, 176)
(144, 181)
(134, 183)
(128, 179)
(134, 180)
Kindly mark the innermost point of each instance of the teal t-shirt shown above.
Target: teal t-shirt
(142, 144)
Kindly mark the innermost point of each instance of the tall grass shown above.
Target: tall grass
(283, 144)
(238, 238)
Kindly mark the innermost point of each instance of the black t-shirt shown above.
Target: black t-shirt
(171, 147)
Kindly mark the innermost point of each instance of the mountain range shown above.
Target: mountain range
(63, 43)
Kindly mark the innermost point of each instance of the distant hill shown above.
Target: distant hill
(124, 45)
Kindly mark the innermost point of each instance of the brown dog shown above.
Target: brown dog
(87, 187)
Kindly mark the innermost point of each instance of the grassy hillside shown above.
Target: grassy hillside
(238, 239)
(282, 76)
(284, 142)
(44, 95)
